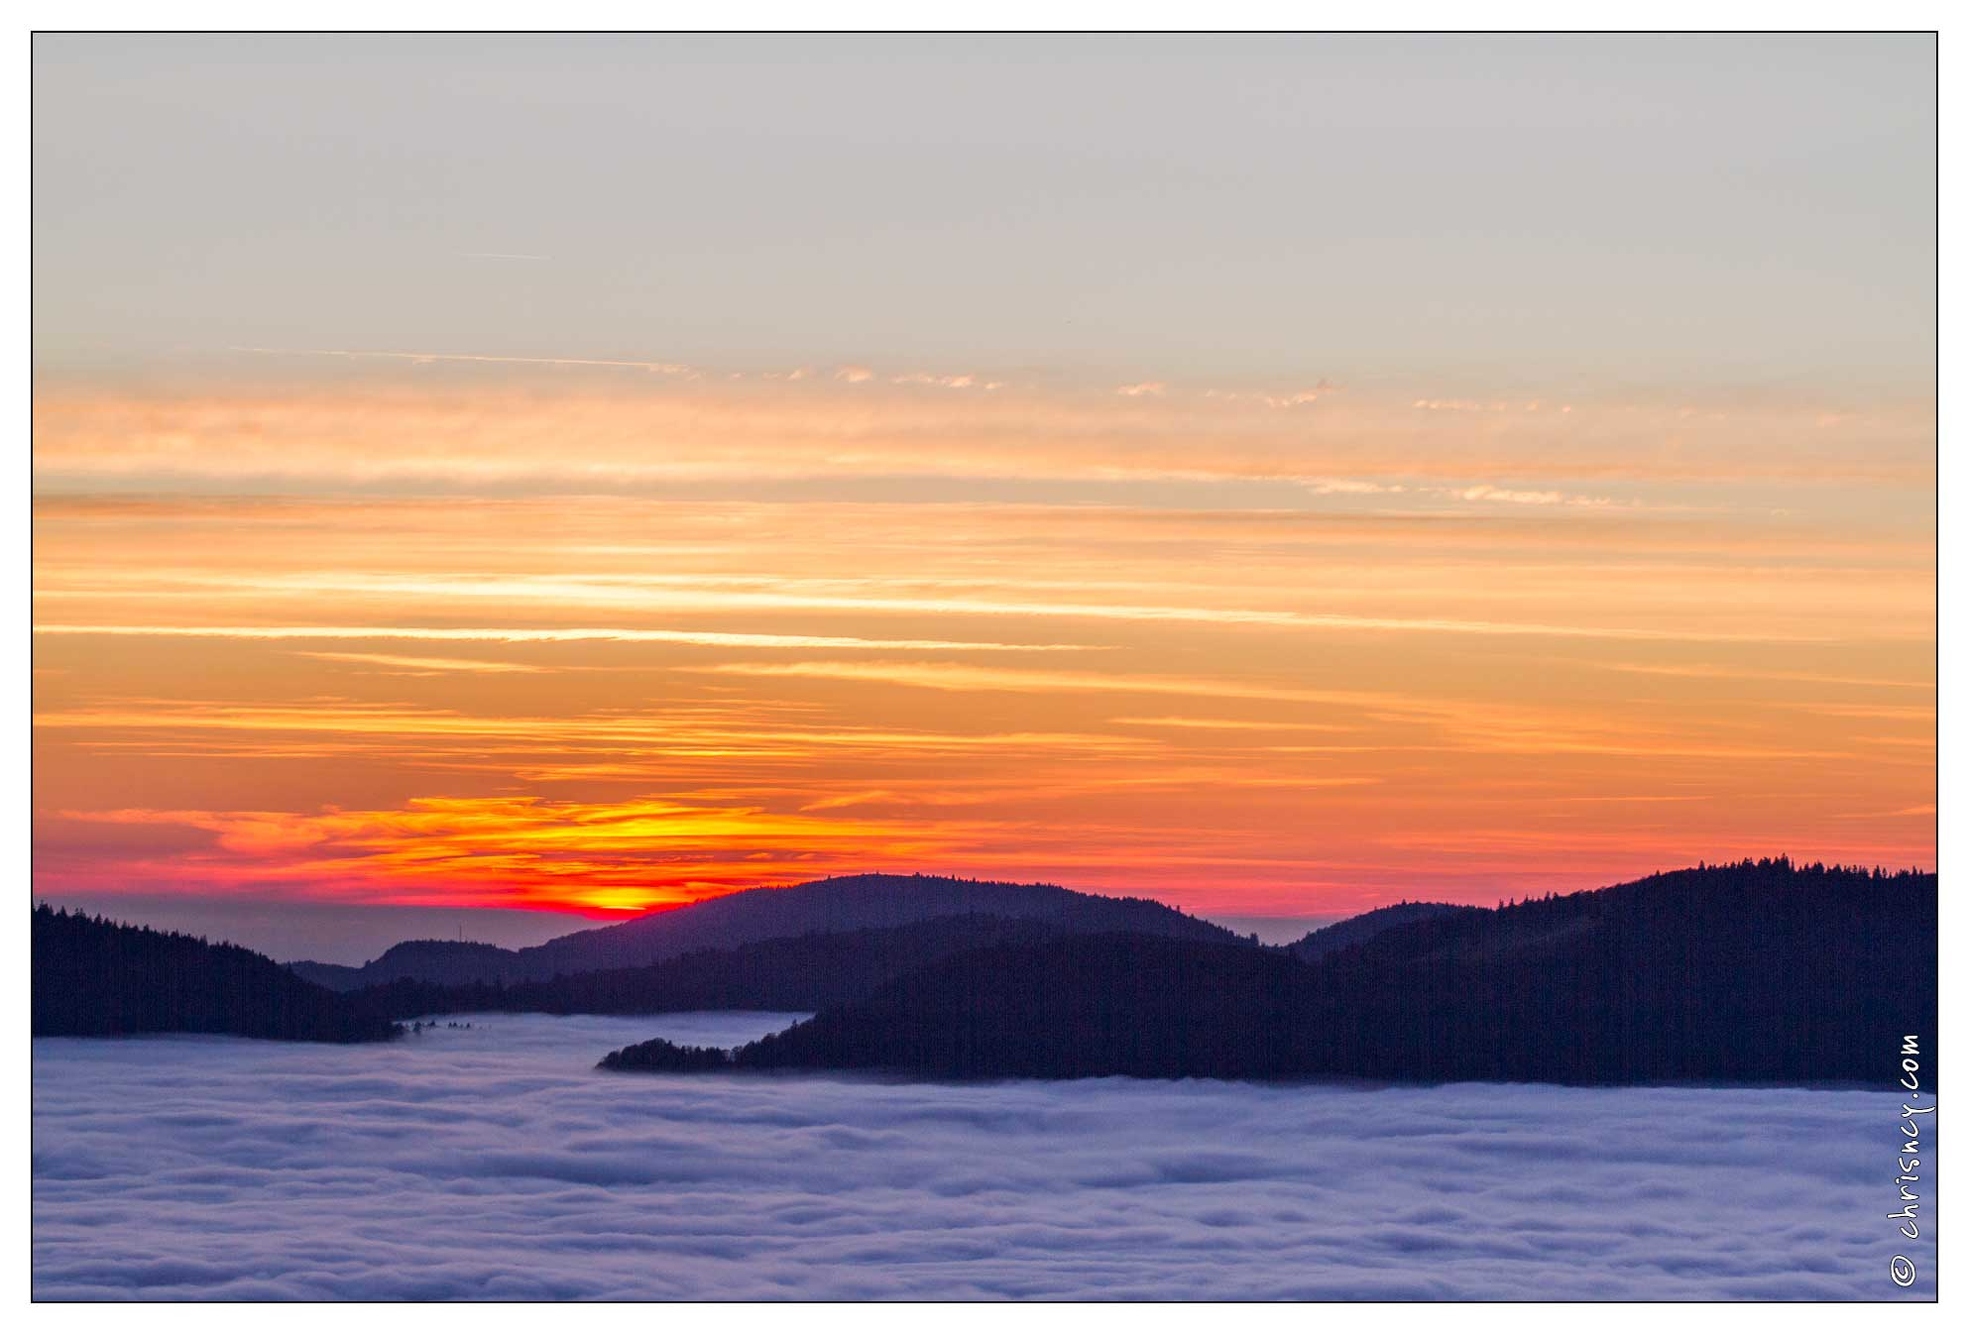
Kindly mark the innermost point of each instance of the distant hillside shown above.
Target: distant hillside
(804, 972)
(807, 972)
(1753, 972)
(1064, 1008)
(93, 977)
(845, 903)
(1316, 945)
(446, 961)
(661, 1056)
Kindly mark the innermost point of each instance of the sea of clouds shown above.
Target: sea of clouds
(495, 1162)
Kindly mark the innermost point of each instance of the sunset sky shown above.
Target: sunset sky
(1279, 476)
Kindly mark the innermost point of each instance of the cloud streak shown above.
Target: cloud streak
(421, 664)
(469, 358)
(539, 635)
(861, 422)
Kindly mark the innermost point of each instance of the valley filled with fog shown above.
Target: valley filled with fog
(494, 1161)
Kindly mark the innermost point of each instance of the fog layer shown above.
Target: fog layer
(494, 1162)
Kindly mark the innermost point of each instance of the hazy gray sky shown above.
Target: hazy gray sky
(1613, 209)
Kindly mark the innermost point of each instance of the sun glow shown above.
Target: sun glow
(1204, 647)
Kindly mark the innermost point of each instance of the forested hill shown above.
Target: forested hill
(807, 972)
(1752, 972)
(435, 961)
(1316, 945)
(844, 903)
(93, 978)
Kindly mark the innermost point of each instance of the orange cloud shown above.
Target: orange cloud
(333, 644)
(524, 852)
(676, 430)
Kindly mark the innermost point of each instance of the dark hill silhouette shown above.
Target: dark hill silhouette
(844, 903)
(1065, 1008)
(664, 1057)
(805, 972)
(1758, 971)
(424, 960)
(1316, 945)
(93, 978)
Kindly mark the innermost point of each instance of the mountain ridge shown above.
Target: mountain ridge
(1751, 972)
(96, 978)
(1317, 944)
(785, 973)
(831, 905)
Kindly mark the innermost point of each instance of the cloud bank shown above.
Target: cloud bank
(492, 1162)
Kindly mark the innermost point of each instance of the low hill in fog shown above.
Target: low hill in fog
(845, 903)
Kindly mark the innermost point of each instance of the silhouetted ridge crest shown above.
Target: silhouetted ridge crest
(440, 960)
(840, 904)
(806, 972)
(1756, 971)
(1316, 945)
(94, 977)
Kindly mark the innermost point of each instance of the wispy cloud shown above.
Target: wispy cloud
(538, 635)
(1725, 672)
(1509, 496)
(1352, 486)
(661, 594)
(1295, 398)
(431, 358)
(1233, 724)
(946, 381)
(596, 434)
(421, 664)
(620, 856)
